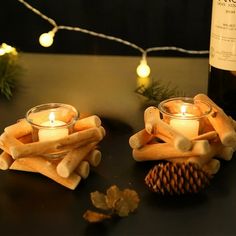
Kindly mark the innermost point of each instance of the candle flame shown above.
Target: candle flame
(183, 109)
(51, 117)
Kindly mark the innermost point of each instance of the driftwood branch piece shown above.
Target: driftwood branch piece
(19, 129)
(165, 151)
(5, 161)
(220, 121)
(87, 122)
(72, 159)
(75, 140)
(139, 139)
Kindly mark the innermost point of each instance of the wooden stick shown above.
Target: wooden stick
(5, 161)
(179, 141)
(75, 140)
(221, 151)
(205, 125)
(154, 125)
(102, 130)
(72, 159)
(7, 141)
(220, 121)
(19, 129)
(225, 153)
(86, 123)
(151, 116)
(26, 139)
(211, 135)
(224, 129)
(83, 169)
(203, 97)
(139, 139)
(21, 166)
(47, 168)
(163, 138)
(211, 167)
(94, 158)
(165, 151)
(216, 150)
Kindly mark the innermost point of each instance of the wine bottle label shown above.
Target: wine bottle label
(223, 35)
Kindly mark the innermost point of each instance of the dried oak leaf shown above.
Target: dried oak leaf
(117, 201)
(113, 195)
(127, 203)
(94, 217)
(122, 208)
(132, 199)
(99, 200)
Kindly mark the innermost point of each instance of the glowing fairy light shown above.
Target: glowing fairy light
(46, 39)
(143, 70)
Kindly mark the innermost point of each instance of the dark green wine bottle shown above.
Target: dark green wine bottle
(222, 73)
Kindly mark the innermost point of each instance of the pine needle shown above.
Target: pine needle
(10, 71)
(157, 92)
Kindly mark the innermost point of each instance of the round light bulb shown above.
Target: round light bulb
(46, 39)
(143, 70)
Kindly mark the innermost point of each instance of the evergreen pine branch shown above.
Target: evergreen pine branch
(10, 71)
(157, 92)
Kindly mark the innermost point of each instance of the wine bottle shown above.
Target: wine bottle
(222, 73)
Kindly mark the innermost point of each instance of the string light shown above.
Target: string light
(46, 39)
(143, 70)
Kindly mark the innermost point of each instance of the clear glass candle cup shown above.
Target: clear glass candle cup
(186, 115)
(51, 121)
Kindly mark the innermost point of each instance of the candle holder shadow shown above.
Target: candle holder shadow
(21, 152)
(189, 154)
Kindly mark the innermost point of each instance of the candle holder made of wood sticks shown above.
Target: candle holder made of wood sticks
(50, 121)
(161, 141)
(80, 149)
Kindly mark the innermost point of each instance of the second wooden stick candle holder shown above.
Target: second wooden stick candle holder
(200, 135)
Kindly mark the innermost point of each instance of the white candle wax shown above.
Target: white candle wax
(184, 124)
(52, 130)
(189, 128)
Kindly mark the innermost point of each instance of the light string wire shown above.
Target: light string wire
(144, 68)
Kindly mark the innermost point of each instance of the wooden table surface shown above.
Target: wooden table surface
(31, 204)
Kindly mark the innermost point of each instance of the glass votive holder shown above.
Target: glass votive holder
(51, 121)
(186, 115)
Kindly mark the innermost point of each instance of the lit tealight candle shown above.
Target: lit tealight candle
(184, 124)
(52, 129)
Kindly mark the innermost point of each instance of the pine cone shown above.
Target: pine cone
(177, 178)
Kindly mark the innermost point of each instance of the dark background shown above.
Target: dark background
(147, 23)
